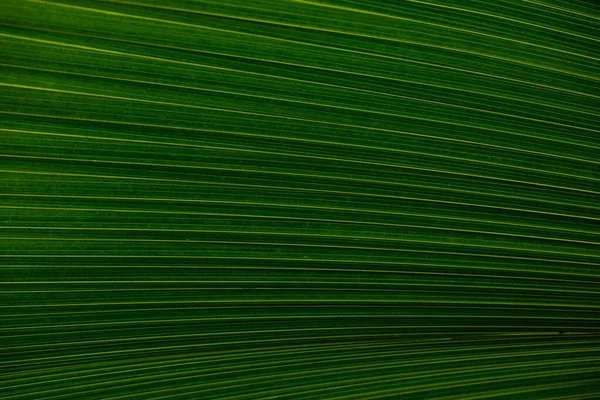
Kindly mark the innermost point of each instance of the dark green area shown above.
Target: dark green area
(320, 199)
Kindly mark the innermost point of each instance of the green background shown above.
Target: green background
(326, 199)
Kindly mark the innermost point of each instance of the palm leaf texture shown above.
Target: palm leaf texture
(310, 199)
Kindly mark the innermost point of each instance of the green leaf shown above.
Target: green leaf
(310, 199)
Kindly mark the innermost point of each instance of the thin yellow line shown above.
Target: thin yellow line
(291, 233)
(465, 382)
(331, 177)
(307, 44)
(363, 367)
(479, 144)
(290, 100)
(133, 99)
(202, 359)
(320, 68)
(480, 300)
(315, 360)
(93, 10)
(260, 331)
(358, 11)
(352, 270)
(176, 144)
(441, 315)
(290, 205)
(507, 19)
(541, 4)
(401, 286)
(356, 222)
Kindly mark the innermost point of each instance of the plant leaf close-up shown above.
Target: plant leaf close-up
(299, 199)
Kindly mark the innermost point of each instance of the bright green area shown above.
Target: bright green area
(320, 199)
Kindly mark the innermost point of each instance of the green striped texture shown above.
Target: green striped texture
(320, 199)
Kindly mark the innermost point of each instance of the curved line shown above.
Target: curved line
(133, 55)
(290, 100)
(94, 10)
